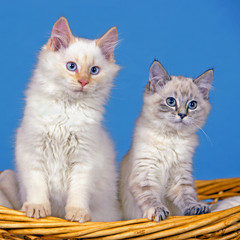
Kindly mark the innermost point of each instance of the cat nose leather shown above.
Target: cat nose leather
(83, 82)
(182, 115)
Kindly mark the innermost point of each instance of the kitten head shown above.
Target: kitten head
(175, 102)
(75, 66)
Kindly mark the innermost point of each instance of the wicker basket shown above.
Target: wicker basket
(217, 225)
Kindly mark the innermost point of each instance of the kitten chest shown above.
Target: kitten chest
(62, 133)
(174, 151)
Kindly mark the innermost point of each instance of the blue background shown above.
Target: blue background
(188, 37)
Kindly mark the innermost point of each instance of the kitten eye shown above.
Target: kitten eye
(171, 102)
(71, 66)
(192, 105)
(94, 70)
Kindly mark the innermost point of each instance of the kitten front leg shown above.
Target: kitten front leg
(34, 188)
(192, 206)
(148, 190)
(77, 207)
(32, 181)
(182, 192)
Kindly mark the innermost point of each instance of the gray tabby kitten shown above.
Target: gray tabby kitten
(156, 174)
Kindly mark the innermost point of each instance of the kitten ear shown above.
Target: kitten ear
(157, 77)
(204, 82)
(107, 43)
(61, 35)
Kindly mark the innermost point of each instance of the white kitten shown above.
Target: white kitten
(156, 175)
(9, 190)
(65, 159)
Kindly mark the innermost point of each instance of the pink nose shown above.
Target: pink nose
(83, 82)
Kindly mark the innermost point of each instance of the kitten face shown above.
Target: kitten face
(77, 66)
(82, 68)
(178, 103)
(83, 71)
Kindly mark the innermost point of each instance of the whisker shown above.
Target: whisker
(207, 137)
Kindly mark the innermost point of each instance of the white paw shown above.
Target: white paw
(36, 210)
(77, 214)
(156, 213)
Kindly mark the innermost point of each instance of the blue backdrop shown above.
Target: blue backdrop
(187, 37)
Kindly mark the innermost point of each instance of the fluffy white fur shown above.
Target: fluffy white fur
(9, 190)
(65, 159)
(156, 175)
(225, 204)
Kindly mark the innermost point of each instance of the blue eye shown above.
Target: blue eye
(171, 102)
(71, 66)
(192, 105)
(94, 70)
